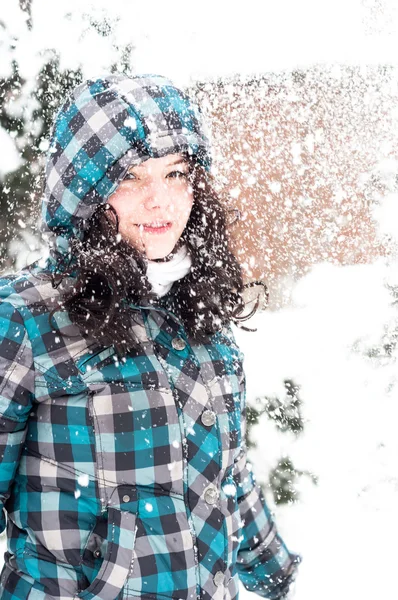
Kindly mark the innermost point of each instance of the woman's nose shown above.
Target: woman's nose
(156, 195)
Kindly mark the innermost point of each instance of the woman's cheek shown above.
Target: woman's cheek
(186, 211)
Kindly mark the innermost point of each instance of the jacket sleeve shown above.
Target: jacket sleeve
(264, 564)
(16, 394)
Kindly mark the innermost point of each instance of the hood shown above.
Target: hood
(104, 127)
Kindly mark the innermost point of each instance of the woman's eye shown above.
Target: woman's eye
(129, 177)
(177, 174)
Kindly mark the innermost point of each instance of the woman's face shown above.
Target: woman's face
(154, 193)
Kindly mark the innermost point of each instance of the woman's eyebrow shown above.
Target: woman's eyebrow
(179, 161)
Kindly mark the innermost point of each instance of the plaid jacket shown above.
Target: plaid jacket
(123, 479)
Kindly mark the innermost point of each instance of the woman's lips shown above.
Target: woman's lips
(155, 230)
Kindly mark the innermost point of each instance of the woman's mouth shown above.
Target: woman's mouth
(156, 228)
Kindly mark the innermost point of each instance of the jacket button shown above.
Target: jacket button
(211, 494)
(126, 498)
(208, 417)
(178, 343)
(218, 578)
(97, 553)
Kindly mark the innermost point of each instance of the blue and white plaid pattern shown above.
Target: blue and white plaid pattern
(106, 466)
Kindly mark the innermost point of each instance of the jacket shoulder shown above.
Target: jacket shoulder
(27, 288)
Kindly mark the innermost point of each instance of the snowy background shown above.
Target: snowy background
(329, 334)
(213, 38)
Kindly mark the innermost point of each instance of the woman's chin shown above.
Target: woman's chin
(158, 255)
(158, 251)
(155, 254)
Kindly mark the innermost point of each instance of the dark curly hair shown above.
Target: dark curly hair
(111, 274)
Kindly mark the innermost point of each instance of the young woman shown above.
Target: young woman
(123, 468)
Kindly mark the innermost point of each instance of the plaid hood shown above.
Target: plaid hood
(104, 127)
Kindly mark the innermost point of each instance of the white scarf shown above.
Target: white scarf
(162, 275)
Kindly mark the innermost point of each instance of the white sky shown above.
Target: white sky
(189, 41)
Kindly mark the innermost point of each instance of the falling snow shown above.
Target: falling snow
(309, 156)
(83, 480)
